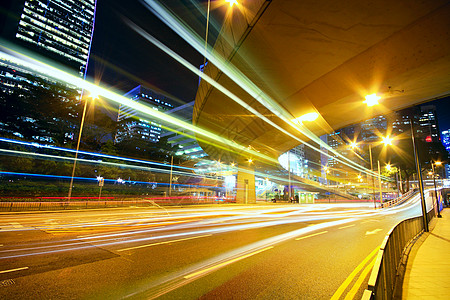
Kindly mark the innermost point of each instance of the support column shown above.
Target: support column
(246, 192)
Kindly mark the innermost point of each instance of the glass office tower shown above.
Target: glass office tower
(60, 29)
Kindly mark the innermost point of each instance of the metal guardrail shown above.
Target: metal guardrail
(385, 270)
(399, 200)
(52, 203)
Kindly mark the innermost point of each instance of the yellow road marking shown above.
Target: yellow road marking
(360, 280)
(162, 243)
(314, 234)
(352, 275)
(346, 226)
(12, 270)
(225, 263)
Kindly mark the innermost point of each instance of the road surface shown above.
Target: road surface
(318, 251)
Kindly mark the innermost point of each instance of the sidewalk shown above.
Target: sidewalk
(428, 269)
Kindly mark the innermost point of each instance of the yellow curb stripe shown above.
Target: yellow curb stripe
(352, 275)
(360, 280)
(13, 270)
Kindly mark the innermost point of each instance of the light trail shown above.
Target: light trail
(51, 147)
(97, 162)
(240, 79)
(242, 221)
(47, 70)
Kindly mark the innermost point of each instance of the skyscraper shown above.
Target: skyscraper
(132, 124)
(57, 31)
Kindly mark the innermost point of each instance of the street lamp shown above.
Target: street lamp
(438, 163)
(386, 141)
(93, 96)
(419, 179)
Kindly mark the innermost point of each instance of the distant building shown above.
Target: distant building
(446, 143)
(135, 125)
(183, 138)
(58, 33)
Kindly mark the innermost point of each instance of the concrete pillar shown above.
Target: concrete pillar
(246, 193)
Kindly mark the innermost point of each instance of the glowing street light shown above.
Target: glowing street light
(387, 140)
(353, 145)
(93, 96)
(250, 160)
(388, 167)
(437, 163)
(232, 2)
(372, 99)
(309, 117)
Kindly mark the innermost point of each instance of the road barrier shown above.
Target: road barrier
(385, 272)
(399, 200)
(62, 203)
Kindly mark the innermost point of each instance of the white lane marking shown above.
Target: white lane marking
(368, 221)
(13, 270)
(16, 225)
(314, 234)
(373, 231)
(225, 263)
(165, 242)
(346, 226)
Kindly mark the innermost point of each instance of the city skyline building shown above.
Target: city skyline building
(134, 125)
(57, 31)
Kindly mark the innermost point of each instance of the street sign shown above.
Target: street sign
(101, 181)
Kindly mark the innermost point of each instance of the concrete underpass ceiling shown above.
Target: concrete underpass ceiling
(325, 56)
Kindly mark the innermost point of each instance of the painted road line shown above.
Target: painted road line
(373, 231)
(360, 280)
(13, 270)
(162, 243)
(314, 234)
(352, 275)
(225, 263)
(346, 226)
(16, 225)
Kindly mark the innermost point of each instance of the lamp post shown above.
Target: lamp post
(438, 163)
(78, 144)
(419, 179)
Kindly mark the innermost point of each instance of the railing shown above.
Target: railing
(61, 203)
(382, 281)
(398, 200)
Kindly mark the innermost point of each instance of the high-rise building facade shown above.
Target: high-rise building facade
(183, 138)
(59, 28)
(58, 31)
(133, 125)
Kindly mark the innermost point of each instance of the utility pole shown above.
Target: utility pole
(419, 178)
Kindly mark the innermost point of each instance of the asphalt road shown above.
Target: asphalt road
(318, 251)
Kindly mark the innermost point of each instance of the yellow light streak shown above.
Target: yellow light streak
(52, 72)
(244, 82)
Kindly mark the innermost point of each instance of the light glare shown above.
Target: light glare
(372, 99)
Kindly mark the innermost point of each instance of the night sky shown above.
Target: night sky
(122, 59)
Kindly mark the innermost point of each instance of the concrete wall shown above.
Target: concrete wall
(246, 192)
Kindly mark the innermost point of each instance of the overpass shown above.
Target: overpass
(285, 59)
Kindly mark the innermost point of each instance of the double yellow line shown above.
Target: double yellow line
(369, 261)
